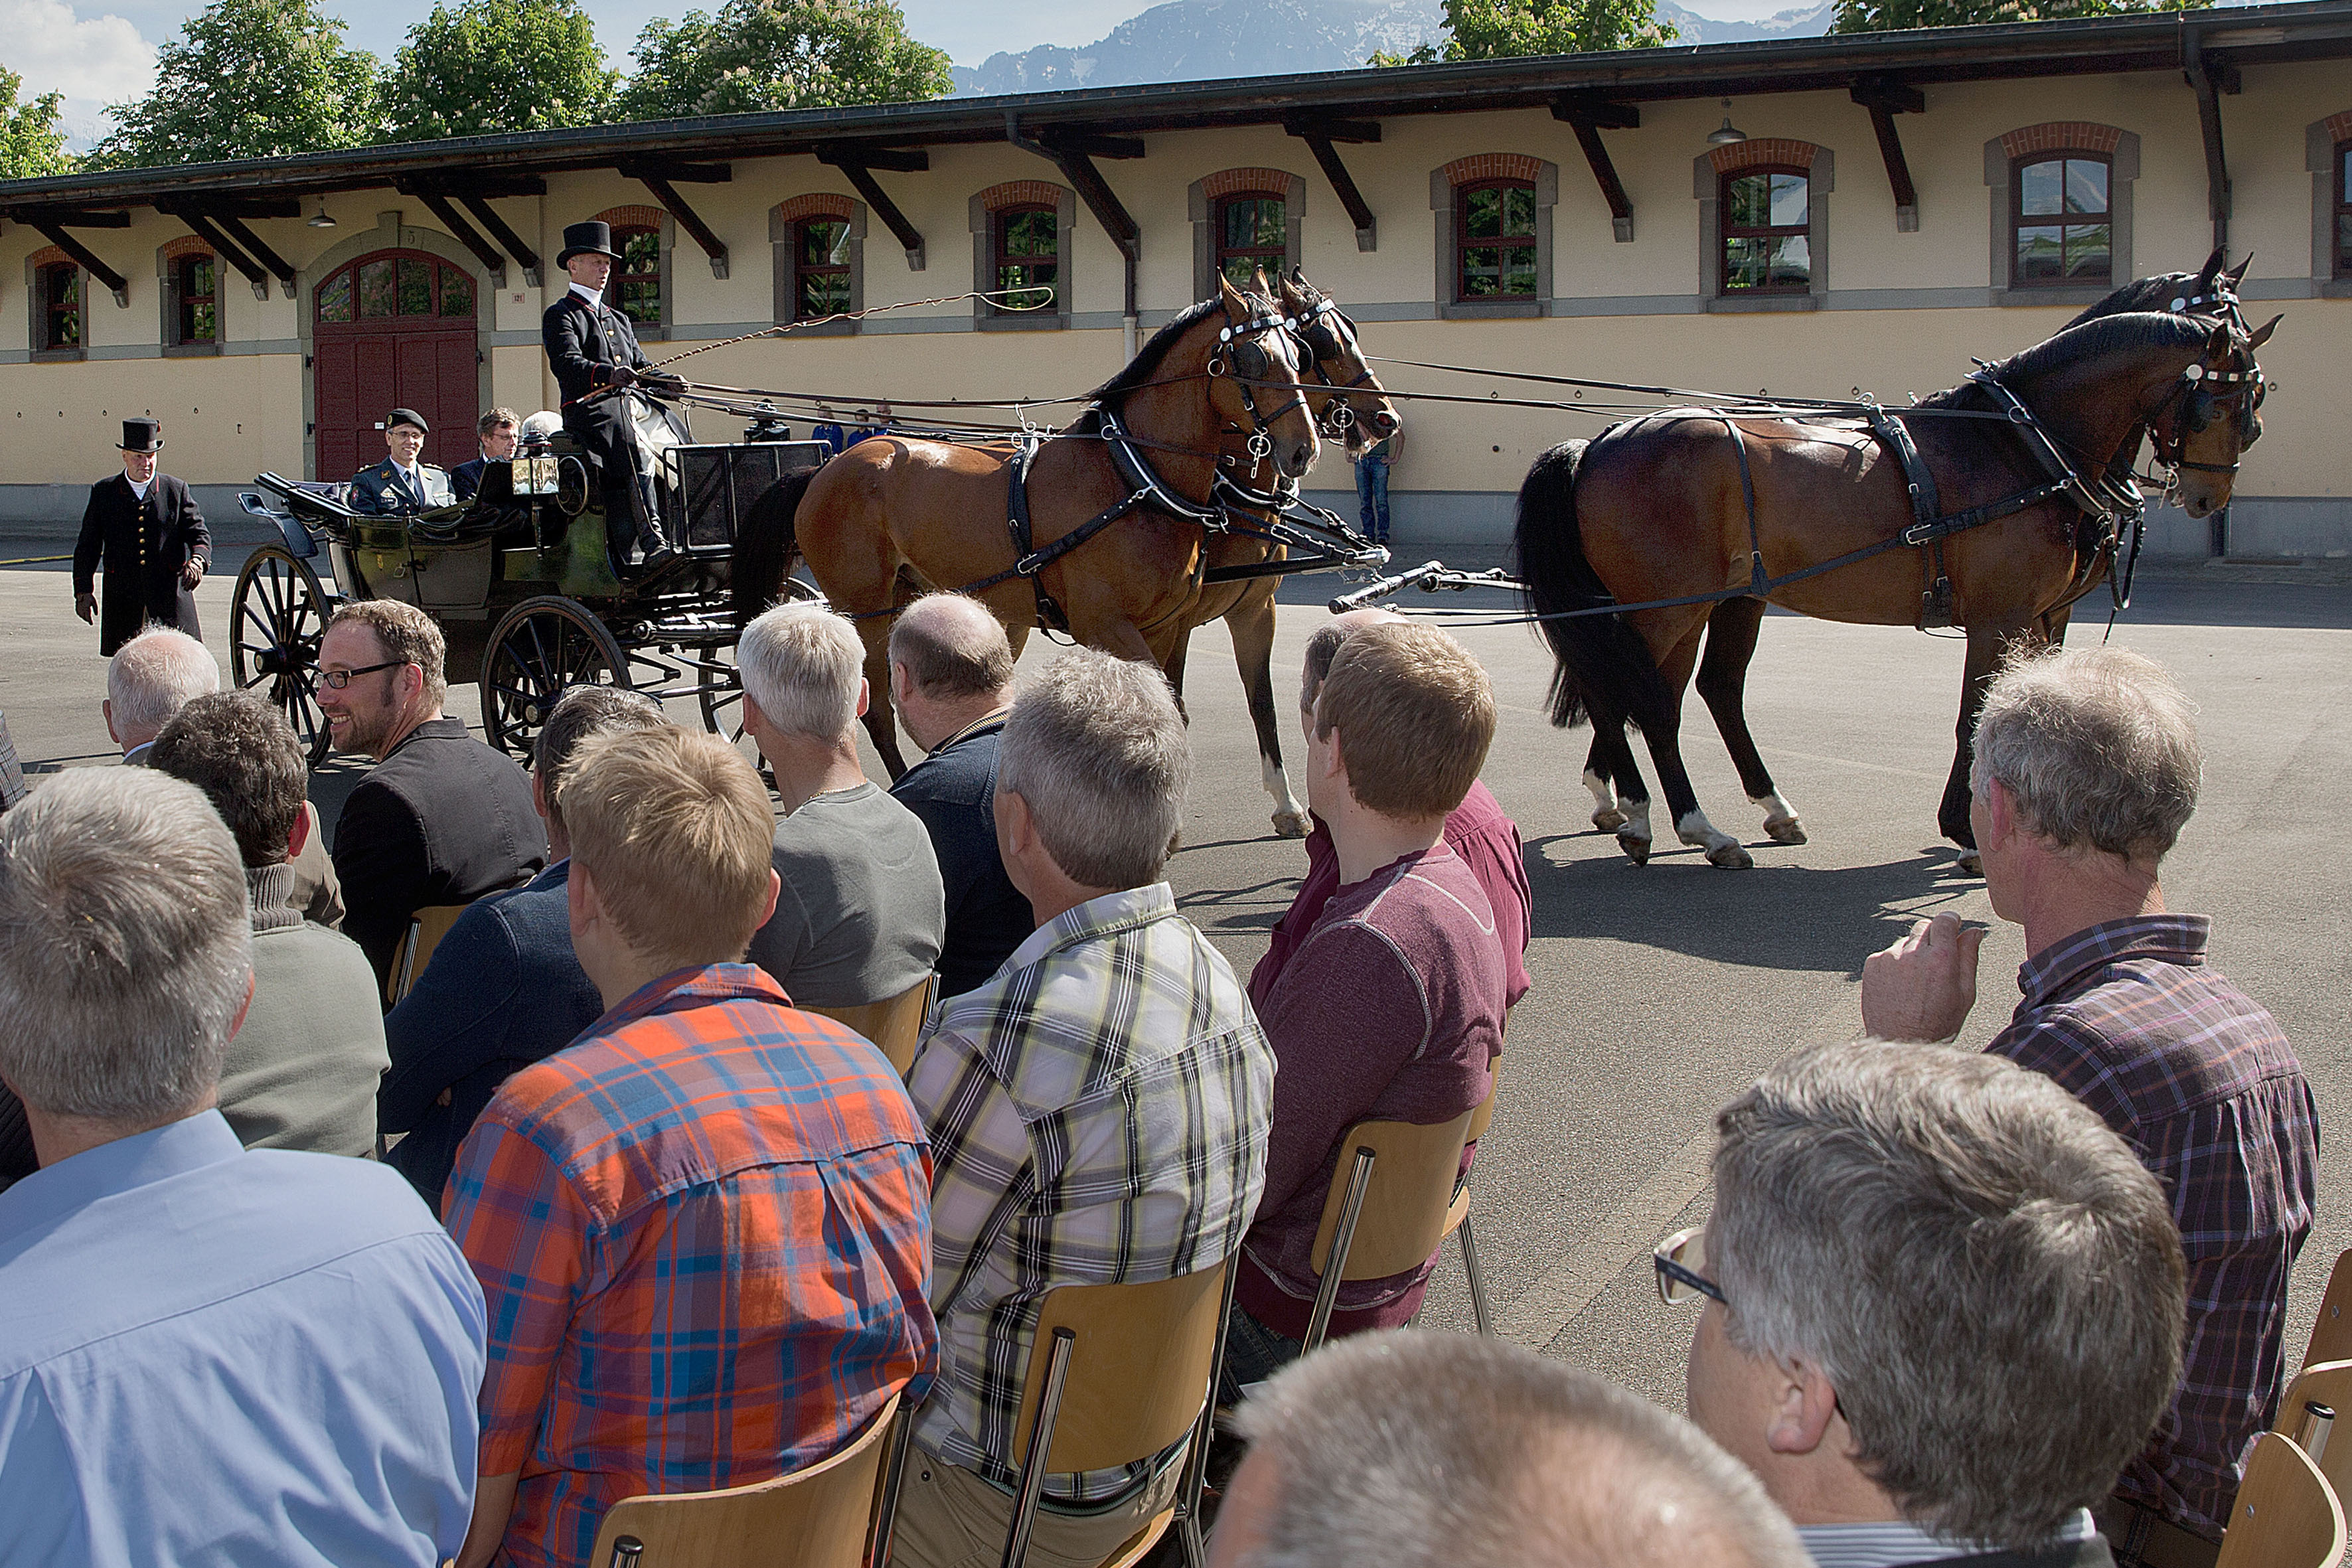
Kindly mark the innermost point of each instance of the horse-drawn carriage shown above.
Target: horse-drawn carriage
(521, 578)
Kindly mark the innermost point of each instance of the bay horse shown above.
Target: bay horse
(1733, 626)
(1217, 388)
(1657, 508)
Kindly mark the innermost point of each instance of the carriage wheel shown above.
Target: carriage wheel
(718, 692)
(540, 650)
(278, 615)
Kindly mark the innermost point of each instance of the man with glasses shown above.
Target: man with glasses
(495, 434)
(442, 818)
(404, 483)
(1941, 1306)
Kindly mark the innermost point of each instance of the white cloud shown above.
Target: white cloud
(98, 59)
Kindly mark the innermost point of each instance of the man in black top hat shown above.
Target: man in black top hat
(593, 347)
(146, 530)
(403, 481)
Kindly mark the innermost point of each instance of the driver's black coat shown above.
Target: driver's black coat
(584, 343)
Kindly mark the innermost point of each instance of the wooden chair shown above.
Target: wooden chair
(1386, 1211)
(896, 1025)
(426, 927)
(1119, 1374)
(2331, 1331)
(2327, 1385)
(2286, 1515)
(817, 1517)
(1457, 1217)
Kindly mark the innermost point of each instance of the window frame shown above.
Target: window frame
(1727, 232)
(2340, 228)
(985, 214)
(846, 269)
(46, 311)
(2019, 219)
(1000, 220)
(1464, 243)
(1273, 258)
(442, 269)
(185, 299)
(616, 288)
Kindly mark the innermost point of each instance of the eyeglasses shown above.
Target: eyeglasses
(338, 679)
(1678, 1260)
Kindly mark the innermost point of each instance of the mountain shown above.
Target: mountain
(1199, 40)
(1804, 22)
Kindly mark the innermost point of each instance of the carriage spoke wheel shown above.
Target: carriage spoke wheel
(718, 692)
(279, 611)
(540, 650)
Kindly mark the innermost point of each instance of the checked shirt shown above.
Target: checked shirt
(2199, 1080)
(701, 1231)
(1098, 1113)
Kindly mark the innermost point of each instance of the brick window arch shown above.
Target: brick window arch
(1245, 218)
(1022, 233)
(2062, 210)
(2327, 153)
(640, 284)
(191, 295)
(1763, 223)
(57, 295)
(818, 242)
(1494, 234)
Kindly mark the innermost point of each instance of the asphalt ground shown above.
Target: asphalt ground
(1660, 991)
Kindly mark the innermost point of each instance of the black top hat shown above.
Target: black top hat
(594, 237)
(407, 416)
(143, 436)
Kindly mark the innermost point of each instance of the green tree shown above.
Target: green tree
(31, 145)
(780, 54)
(497, 65)
(1887, 16)
(248, 79)
(1496, 29)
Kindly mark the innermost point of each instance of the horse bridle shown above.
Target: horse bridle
(1242, 355)
(1319, 340)
(2195, 381)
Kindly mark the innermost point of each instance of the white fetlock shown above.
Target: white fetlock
(1290, 818)
(1608, 813)
(1780, 824)
(1722, 849)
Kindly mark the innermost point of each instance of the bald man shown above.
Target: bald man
(951, 682)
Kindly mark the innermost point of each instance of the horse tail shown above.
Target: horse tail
(1604, 671)
(766, 544)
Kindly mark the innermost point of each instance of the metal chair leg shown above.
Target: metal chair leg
(1335, 1267)
(1477, 1280)
(1040, 1444)
(893, 1475)
(1189, 1541)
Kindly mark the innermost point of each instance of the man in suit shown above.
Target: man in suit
(403, 481)
(592, 348)
(495, 434)
(145, 528)
(442, 819)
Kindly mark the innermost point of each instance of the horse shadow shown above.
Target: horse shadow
(1771, 917)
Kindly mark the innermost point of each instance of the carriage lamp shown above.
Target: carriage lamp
(535, 476)
(1726, 134)
(323, 219)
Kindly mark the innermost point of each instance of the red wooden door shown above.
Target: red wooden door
(393, 330)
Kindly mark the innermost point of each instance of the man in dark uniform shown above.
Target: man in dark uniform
(593, 347)
(144, 526)
(495, 432)
(403, 481)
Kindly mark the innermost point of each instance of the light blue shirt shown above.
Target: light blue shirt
(214, 1356)
(1894, 1543)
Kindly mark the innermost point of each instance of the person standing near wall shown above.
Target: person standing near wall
(146, 530)
(1372, 460)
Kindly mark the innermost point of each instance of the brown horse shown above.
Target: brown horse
(1656, 509)
(894, 516)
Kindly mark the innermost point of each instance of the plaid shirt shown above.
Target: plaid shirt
(2202, 1084)
(701, 1231)
(1098, 1113)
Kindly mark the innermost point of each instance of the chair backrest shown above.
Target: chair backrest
(426, 927)
(815, 1518)
(2331, 1331)
(1482, 1117)
(1140, 1359)
(2286, 1515)
(1404, 1216)
(2327, 1383)
(896, 1025)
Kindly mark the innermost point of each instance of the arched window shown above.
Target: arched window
(2344, 209)
(1027, 245)
(60, 306)
(196, 286)
(2062, 222)
(1253, 232)
(1495, 236)
(390, 287)
(821, 267)
(637, 286)
(1766, 225)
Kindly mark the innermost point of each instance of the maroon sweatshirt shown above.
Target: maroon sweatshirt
(1390, 1009)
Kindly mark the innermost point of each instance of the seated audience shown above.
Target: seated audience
(1421, 1451)
(952, 680)
(859, 916)
(504, 989)
(703, 1228)
(302, 1069)
(404, 483)
(1098, 1110)
(150, 679)
(1943, 1306)
(1391, 1006)
(2087, 769)
(1486, 840)
(495, 434)
(211, 1354)
(442, 818)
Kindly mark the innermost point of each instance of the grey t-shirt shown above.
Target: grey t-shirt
(860, 915)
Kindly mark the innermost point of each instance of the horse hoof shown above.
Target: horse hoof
(1970, 863)
(1784, 830)
(1291, 824)
(1636, 849)
(1731, 856)
(1608, 819)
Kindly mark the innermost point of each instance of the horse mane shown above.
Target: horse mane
(1145, 365)
(2154, 293)
(2106, 335)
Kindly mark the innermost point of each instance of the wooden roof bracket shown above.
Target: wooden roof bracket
(509, 240)
(1886, 99)
(258, 248)
(1074, 152)
(858, 165)
(222, 246)
(2210, 76)
(1319, 135)
(663, 179)
(1588, 115)
(53, 227)
(493, 260)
